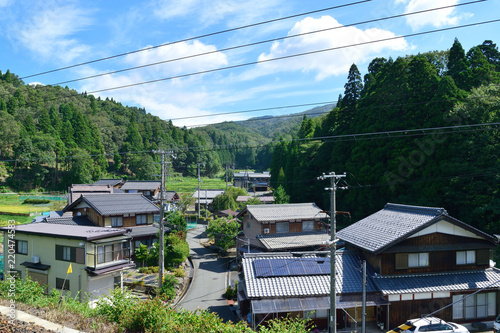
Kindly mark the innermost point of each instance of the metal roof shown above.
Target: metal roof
(117, 203)
(208, 194)
(435, 282)
(245, 198)
(292, 240)
(112, 182)
(71, 220)
(67, 231)
(146, 185)
(284, 212)
(394, 223)
(349, 277)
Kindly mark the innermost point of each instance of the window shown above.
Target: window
(70, 253)
(60, 284)
(323, 313)
(282, 227)
(410, 260)
(307, 225)
(418, 259)
(140, 219)
(117, 221)
(156, 218)
(100, 254)
(477, 306)
(21, 247)
(466, 257)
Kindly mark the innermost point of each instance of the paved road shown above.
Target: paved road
(209, 281)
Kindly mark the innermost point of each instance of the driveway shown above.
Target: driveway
(210, 278)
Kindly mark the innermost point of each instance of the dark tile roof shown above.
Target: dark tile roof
(68, 231)
(144, 185)
(394, 223)
(117, 203)
(349, 277)
(142, 231)
(71, 220)
(112, 182)
(435, 282)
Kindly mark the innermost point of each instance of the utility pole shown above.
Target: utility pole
(199, 189)
(363, 309)
(226, 176)
(334, 180)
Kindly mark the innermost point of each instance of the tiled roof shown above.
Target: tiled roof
(435, 282)
(111, 182)
(68, 231)
(293, 240)
(252, 174)
(71, 220)
(147, 230)
(147, 185)
(384, 227)
(245, 198)
(284, 212)
(208, 194)
(117, 203)
(349, 278)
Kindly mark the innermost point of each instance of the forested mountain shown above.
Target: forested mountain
(53, 137)
(458, 169)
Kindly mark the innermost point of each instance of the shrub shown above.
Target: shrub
(118, 303)
(145, 316)
(167, 291)
(36, 201)
(179, 272)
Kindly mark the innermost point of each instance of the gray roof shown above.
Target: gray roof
(349, 278)
(145, 185)
(208, 194)
(395, 223)
(253, 174)
(245, 198)
(68, 231)
(112, 182)
(71, 220)
(142, 231)
(117, 203)
(435, 282)
(284, 212)
(293, 240)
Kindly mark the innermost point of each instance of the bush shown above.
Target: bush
(118, 304)
(167, 291)
(179, 272)
(145, 316)
(35, 201)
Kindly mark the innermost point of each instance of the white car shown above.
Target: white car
(496, 325)
(433, 324)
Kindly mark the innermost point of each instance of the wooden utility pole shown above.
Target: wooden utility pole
(334, 180)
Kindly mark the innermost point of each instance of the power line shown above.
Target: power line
(263, 42)
(196, 37)
(289, 57)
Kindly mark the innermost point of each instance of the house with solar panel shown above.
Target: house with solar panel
(424, 261)
(274, 285)
(284, 227)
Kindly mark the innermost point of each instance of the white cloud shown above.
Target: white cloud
(435, 18)
(185, 50)
(47, 31)
(331, 63)
(209, 12)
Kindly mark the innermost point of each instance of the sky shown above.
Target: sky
(216, 59)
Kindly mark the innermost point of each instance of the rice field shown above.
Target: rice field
(190, 185)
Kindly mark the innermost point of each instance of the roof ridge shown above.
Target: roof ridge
(415, 209)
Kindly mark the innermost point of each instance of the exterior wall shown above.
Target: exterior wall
(439, 261)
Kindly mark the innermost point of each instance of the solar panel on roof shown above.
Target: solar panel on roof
(291, 267)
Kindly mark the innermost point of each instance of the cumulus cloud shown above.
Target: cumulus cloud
(47, 32)
(331, 63)
(436, 18)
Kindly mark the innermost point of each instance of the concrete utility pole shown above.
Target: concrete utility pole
(199, 188)
(334, 180)
(363, 315)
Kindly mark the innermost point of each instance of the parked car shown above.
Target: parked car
(433, 324)
(496, 324)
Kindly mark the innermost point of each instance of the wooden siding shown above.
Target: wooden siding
(400, 312)
(91, 215)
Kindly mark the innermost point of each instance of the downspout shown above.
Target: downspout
(80, 273)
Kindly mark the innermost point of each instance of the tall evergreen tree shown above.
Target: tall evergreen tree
(55, 120)
(29, 125)
(458, 67)
(352, 93)
(44, 123)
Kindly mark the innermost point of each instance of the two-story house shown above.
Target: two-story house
(45, 251)
(258, 182)
(284, 227)
(427, 262)
(149, 188)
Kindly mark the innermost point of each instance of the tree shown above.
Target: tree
(458, 67)
(224, 201)
(280, 196)
(352, 93)
(44, 123)
(176, 221)
(223, 231)
(176, 250)
(29, 125)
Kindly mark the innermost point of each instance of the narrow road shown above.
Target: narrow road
(209, 281)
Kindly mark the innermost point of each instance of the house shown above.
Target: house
(252, 180)
(150, 188)
(263, 199)
(226, 213)
(115, 183)
(79, 259)
(76, 190)
(424, 260)
(284, 227)
(274, 285)
(205, 197)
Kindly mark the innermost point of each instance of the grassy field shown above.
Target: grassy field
(10, 203)
(190, 185)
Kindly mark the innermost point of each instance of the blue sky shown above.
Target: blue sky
(38, 36)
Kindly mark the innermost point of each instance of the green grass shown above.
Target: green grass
(4, 219)
(190, 185)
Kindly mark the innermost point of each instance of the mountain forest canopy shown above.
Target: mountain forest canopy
(455, 168)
